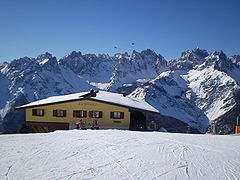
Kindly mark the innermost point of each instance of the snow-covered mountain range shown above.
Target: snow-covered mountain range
(199, 89)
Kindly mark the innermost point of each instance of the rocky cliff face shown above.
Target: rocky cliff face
(199, 89)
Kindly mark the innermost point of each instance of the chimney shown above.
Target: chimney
(92, 93)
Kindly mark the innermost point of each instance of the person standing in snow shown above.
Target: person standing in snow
(96, 124)
(83, 126)
(77, 124)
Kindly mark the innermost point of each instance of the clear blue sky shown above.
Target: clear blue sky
(32, 27)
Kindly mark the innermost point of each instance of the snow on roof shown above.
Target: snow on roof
(105, 96)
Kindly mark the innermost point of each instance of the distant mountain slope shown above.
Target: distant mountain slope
(197, 89)
(169, 94)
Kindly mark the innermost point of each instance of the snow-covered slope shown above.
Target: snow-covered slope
(168, 94)
(213, 89)
(196, 89)
(116, 154)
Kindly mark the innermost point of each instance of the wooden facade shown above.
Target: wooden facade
(43, 127)
(64, 115)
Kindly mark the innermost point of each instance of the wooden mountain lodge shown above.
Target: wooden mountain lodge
(103, 109)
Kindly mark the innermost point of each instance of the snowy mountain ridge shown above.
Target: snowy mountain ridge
(197, 89)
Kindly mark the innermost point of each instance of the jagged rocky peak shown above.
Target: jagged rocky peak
(18, 69)
(87, 64)
(145, 54)
(149, 52)
(195, 55)
(217, 55)
(46, 59)
(220, 61)
(4, 64)
(3, 67)
(189, 59)
(90, 57)
(161, 62)
(136, 55)
(46, 55)
(21, 63)
(50, 62)
(121, 56)
(235, 59)
(74, 61)
(74, 54)
(104, 56)
(149, 57)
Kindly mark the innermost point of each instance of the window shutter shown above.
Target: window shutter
(43, 112)
(64, 113)
(100, 114)
(55, 113)
(84, 114)
(121, 115)
(90, 114)
(33, 112)
(111, 115)
(74, 113)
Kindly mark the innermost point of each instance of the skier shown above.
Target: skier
(77, 124)
(92, 125)
(96, 124)
(83, 125)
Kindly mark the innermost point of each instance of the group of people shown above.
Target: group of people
(80, 124)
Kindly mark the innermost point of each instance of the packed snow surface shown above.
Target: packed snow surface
(117, 154)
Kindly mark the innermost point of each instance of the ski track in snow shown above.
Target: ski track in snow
(116, 154)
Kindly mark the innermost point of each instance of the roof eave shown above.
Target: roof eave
(22, 108)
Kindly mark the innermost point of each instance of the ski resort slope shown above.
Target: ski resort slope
(116, 154)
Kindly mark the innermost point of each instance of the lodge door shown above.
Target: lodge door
(137, 121)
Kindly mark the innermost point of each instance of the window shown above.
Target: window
(117, 115)
(38, 112)
(81, 114)
(95, 114)
(59, 113)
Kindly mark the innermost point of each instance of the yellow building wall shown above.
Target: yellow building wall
(85, 105)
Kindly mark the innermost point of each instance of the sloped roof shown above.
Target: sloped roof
(103, 96)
